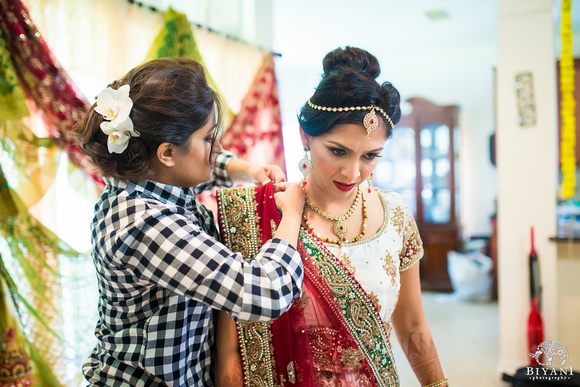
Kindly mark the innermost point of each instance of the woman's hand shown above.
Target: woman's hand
(244, 171)
(263, 174)
(289, 198)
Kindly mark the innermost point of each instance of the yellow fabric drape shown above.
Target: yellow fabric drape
(568, 143)
(12, 100)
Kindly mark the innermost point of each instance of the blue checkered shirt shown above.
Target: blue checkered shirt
(162, 273)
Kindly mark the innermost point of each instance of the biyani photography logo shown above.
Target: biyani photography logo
(545, 355)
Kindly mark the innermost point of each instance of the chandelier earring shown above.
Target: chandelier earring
(370, 180)
(305, 166)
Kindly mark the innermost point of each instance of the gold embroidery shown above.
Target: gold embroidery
(345, 259)
(352, 357)
(291, 372)
(239, 226)
(241, 232)
(390, 269)
(359, 313)
(388, 328)
(256, 348)
(398, 219)
(375, 299)
(273, 226)
(322, 341)
(412, 249)
(304, 300)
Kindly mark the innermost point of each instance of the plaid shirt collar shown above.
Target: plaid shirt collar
(165, 193)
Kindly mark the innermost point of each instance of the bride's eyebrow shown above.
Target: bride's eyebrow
(346, 148)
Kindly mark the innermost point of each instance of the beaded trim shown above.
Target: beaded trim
(241, 233)
(370, 119)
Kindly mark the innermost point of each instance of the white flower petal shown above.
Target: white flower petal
(107, 127)
(114, 104)
(118, 141)
(123, 126)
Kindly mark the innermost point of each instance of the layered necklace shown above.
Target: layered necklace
(340, 227)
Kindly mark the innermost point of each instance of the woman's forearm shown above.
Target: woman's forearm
(422, 355)
(413, 332)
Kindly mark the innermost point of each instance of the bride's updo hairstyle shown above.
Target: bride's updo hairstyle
(170, 101)
(349, 80)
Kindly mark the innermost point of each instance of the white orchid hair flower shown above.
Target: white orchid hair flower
(115, 107)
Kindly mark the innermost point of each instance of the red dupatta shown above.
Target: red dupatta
(351, 348)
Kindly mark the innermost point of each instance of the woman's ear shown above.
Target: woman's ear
(166, 154)
(305, 139)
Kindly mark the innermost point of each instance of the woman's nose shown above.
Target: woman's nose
(351, 171)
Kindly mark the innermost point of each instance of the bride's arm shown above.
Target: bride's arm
(413, 332)
(228, 367)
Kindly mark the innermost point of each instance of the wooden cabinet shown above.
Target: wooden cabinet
(419, 162)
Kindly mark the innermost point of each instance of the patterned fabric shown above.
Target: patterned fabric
(338, 333)
(176, 40)
(256, 132)
(12, 103)
(43, 79)
(377, 261)
(161, 274)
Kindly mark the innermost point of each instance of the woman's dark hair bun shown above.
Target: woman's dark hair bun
(353, 57)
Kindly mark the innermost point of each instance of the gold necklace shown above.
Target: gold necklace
(342, 239)
(340, 228)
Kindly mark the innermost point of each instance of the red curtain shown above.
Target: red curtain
(256, 132)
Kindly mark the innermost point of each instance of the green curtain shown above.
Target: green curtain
(176, 40)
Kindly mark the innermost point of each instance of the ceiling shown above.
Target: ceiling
(303, 28)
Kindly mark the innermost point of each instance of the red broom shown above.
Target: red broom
(535, 325)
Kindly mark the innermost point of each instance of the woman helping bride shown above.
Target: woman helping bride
(359, 247)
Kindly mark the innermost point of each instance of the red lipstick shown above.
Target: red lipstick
(342, 186)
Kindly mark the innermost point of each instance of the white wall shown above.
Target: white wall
(448, 62)
(527, 165)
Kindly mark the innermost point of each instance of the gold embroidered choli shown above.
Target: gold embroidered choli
(375, 263)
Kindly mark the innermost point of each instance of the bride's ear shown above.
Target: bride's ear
(305, 139)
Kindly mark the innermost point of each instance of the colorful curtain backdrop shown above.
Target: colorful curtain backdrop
(38, 106)
(52, 95)
(176, 40)
(256, 132)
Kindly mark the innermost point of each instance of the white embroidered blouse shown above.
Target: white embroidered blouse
(377, 261)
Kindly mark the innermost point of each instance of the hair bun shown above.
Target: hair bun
(351, 57)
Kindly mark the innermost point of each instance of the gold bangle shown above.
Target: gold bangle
(440, 383)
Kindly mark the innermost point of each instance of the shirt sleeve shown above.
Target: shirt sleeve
(219, 176)
(168, 249)
(412, 249)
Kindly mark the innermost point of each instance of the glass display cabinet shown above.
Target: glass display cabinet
(419, 162)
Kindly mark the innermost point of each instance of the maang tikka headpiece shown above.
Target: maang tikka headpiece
(370, 120)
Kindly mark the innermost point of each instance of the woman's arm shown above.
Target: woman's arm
(413, 332)
(229, 169)
(244, 171)
(228, 365)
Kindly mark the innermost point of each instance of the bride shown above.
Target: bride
(359, 246)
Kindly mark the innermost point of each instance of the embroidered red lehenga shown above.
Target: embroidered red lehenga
(335, 334)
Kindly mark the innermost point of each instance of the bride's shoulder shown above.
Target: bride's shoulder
(389, 196)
